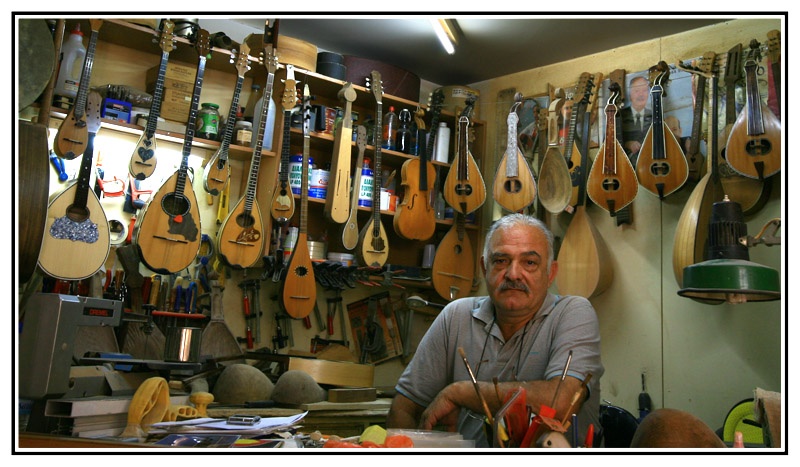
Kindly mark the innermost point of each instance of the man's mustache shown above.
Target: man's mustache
(511, 285)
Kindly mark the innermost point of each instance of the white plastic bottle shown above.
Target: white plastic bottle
(269, 129)
(442, 147)
(73, 54)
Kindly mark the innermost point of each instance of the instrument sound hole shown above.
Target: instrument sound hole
(464, 189)
(175, 204)
(245, 220)
(512, 186)
(758, 147)
(611, 184)
(77, 213)
(301, 271)
(659, 169)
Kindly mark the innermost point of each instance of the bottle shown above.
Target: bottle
(442, 148)
(266, 142)
(243, 132)
(208, 119)
(365, 190)
(403, 139)
(439, 206)
(390, 124)
(73, 54)
(252, 100)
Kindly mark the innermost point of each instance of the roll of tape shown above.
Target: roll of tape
(118, 231)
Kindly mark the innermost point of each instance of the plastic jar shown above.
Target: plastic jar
(207, 122)
(243, 133)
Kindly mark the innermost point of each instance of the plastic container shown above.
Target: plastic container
(318, 185)
(207, 122)
(73, 54)
(243, 133)
(252, 101)
(404, 141)
(441, 151)
(296, 173)
(345, 258)
(365, 190)
(266, 142)
(390, 126)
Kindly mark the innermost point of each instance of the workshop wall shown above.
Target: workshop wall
(699, 358)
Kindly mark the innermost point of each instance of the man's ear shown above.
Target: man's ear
(553, 272)
(483, 266)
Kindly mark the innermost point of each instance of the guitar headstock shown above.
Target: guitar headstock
(469, 104)
(513, 118)
(290, 90)
(754, 52)
(167, 40)
(361, 137)
(94, 102)
(581, 85)
(242, 60)
(733, 67)
(588, 91)
(436, 101)
(203, 43)
(96, 24)
(659, 75)
(375, 83)
(347, 92)
(306, 111)
(271, 33)
(706, 63)
(774, 46)
(616, 91)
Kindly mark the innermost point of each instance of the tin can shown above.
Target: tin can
(207, 122)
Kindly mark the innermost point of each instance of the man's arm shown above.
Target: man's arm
(404, 413)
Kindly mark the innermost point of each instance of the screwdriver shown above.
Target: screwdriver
(645, 404)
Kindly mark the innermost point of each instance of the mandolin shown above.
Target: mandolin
(350, 229)
(218, 172)
(612, 183)
(463, 187)
(282, 206)
(694, 158)
(584, 262)
(661, 166)
(454, 263)
(143, 160)
(555, 182)
(572, 154)
(76, 242)
(750, 193)
(692, 230)
(541, 141)
(239, 240)
(415, 218)
(754, 145)
(167, 232)
(72, 135)
(337, 202)
(300, 289)
(373, 243)
(514, 187)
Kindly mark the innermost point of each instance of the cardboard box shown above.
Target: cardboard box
(175, 105)
(176, 99)
(175, 71)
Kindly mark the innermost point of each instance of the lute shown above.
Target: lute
(350, 230)
(555, 182)
(76, 242)
(661, 166)
(754, 145)
(572, 155)
(612, 183)
(300, 288)
(143, 160)
(239, 240)
(282, 206)
(453, 268)
(373, 243)
(514, 187)
(337, 201)
(415, 218)
(72, 135)
(464, 189)
(167, 232)
(217, 172)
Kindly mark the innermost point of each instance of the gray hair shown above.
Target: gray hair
(514, 220)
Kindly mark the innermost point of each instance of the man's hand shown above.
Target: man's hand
(445, 408)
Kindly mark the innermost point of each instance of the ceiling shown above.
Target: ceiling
(488, 46)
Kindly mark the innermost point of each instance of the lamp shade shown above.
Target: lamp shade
(730, 280)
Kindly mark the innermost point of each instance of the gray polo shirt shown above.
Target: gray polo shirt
(538, 351)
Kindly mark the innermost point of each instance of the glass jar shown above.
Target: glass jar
(207, 122)
(243, 131)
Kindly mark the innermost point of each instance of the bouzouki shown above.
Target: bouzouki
(300, 288)
(754, 145)
(555, 182)
(572, 154)
(282, 206)
(415, 218)
(239, 239)
(692, 230)
(454, 263)
(218, 172)
(514, 185)
(612, 183)
(350, 229)
(661, 167)
(464, 189)
(168, 230)
(584, 262)
(373, 243)
(143, 160)
(694, 158)
(77, 241)
(750, 193)
(72, 135)
(337, 202)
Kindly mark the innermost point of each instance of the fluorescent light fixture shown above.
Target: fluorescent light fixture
(444, 31)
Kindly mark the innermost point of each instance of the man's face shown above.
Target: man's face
(639, 92)
(517, 278)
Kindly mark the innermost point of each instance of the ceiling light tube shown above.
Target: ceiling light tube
(445, 35)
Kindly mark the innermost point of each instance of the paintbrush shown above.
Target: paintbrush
(477, 389)
(563, 376)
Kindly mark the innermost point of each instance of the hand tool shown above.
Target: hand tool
(318, 316)
(257, 308)
(563, 375)
(575, 398)
(645, 404)
(486, 410)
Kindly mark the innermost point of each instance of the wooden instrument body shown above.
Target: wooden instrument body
(240, 242)
(350, 231)
(555, 182)
(514, 187)
(464, 189)
(584, 262)
(282, 205)
(694, 158)
(746, 150)
(415, 218)
(453, 268)
(661, 166)
(337, 201)
(143, 160)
